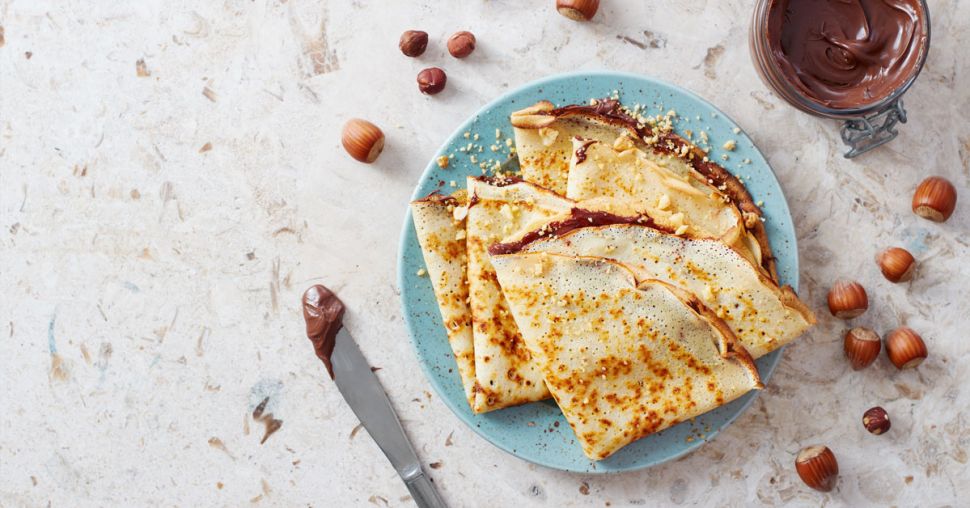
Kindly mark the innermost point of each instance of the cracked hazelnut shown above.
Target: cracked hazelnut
(363, 140)
(578, 10)
(876, 420)
(817, 467)
(461, 44)
(905, 348)
(935, 199)
(847, 299)
(413, 42)
(431, 80)
(896, 264)
(861, 346)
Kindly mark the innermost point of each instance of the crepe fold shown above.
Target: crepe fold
(500, 209)
(623, 360)
(440, 226)
(555, 145)
(762, 315)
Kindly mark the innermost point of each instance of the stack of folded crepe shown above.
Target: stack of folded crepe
(624, 274)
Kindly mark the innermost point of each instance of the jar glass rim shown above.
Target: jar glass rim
(846, 112)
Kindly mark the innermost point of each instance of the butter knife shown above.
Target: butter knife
(363, 392)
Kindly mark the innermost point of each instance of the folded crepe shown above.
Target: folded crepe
(621, 179)
(441, 234)
(544, 141)
(622, 360)
(500, 209)
(762, 315)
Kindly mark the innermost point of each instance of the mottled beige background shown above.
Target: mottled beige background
(160, 220)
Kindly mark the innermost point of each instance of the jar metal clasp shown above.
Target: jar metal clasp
(864, 134)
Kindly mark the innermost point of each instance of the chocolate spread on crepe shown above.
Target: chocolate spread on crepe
(847, 53)
(578, 218)
(324, 314)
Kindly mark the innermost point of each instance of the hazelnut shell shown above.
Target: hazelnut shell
(905, 348)
(934, 199)
(578, 10)
(363, 140)
(847, 299)
(817, 467)
(896, 264)
(861, 346)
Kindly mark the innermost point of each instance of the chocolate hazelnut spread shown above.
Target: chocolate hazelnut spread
(846, 54)
(581, 151)
(323, 313)
(578, 218)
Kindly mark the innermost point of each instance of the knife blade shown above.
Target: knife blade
(366, 397)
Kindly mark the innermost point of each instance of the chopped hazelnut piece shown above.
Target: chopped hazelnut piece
(548, 135)
(623, 143)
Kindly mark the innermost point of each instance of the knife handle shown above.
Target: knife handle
(423, 492)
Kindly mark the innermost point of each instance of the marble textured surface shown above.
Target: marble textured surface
(172, 179)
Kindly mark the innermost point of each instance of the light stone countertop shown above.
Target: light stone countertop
(150, 287)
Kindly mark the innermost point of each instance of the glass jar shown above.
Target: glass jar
(864, 127)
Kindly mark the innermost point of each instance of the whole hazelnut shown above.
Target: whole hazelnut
(431, 80)
(905, 348)
(578, 10)
(461, 44)
(861, 347)
(363, 140)
(847, 299)
(876, 420)
(413, 42)
(934, 199)
(896, 264)
(817, 467)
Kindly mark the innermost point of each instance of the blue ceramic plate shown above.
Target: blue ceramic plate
(538, 432)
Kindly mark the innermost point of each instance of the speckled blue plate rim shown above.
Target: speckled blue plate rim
(453, 396)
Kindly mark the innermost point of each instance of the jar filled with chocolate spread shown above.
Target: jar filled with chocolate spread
(845, 59)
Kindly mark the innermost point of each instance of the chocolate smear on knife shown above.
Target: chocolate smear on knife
(324, 314)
